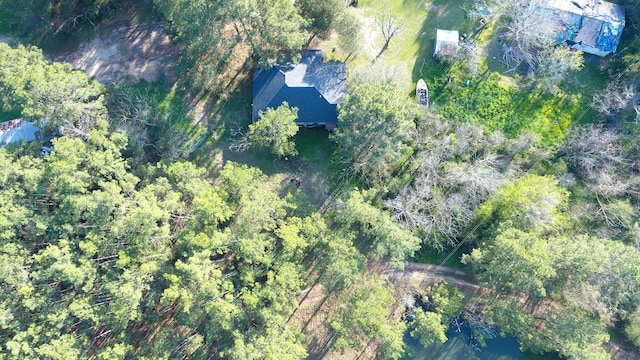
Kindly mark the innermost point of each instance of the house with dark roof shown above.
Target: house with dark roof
(313, 86)
(592, 26)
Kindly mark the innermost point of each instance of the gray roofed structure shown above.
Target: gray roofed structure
(313, 86)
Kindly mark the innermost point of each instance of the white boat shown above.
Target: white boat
(422, 93)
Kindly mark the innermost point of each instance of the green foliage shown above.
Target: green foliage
(155, 120)
(39, 20)
(428, 327)
(276, 31)
(570, 331)
(88, 251)
(275, 130)
(532, 203)
(363, 316)
(41, 90)
(513, 319)
(275, 344)
(392, 346)
(322, 15)
(498, 106)
(632, 328)
(605, 267)
(515, 260)
(386, 238)
(271, 28)
(447, 300)
(350, 33)
(341, 264)
(376, 122)
(595, 280)
(90, 245)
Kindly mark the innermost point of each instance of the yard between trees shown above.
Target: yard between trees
(165, 223)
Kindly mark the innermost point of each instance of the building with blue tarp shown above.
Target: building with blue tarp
(15, 131)
(592, 26)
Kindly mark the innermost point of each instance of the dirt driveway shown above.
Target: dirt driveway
(127, 51)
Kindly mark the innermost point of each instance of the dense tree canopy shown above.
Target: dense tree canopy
(323, 15)
(386, 238)
(214, 32)
(92, 255)
(363, 317)
(40, 90)
(275, 129)
(374, 136)
(532, 203)
(43, 19)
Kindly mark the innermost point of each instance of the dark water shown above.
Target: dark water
(461, 347)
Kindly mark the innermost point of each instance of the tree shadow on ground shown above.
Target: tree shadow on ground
(441, 14)
(229, 119)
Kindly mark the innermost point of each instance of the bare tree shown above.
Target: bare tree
(593, 152)
(554, 64)
(240, 140)
(597, 156)
(390, 26)
(458, 167)
(468, 53)
(525, 33)
(616, 98)
(153, 126)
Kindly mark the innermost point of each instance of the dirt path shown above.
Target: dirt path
(128, 51)
(315, 305)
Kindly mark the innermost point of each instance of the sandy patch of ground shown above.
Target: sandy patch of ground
(136, 52)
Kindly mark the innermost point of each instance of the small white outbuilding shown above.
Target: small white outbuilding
(446, 43)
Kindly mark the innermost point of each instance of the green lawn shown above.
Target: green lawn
(429, 255)
(413, 47)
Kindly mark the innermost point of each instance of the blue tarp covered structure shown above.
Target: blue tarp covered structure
(18, 130)
(592, 26)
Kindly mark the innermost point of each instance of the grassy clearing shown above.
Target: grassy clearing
(429, 255)
(413, 47)
(412, 50)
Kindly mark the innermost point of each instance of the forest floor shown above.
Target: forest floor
(127, 52)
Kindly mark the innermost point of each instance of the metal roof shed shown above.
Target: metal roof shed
(446, 43)
(592, 26)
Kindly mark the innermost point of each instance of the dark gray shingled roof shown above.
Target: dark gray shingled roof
(312, 86)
